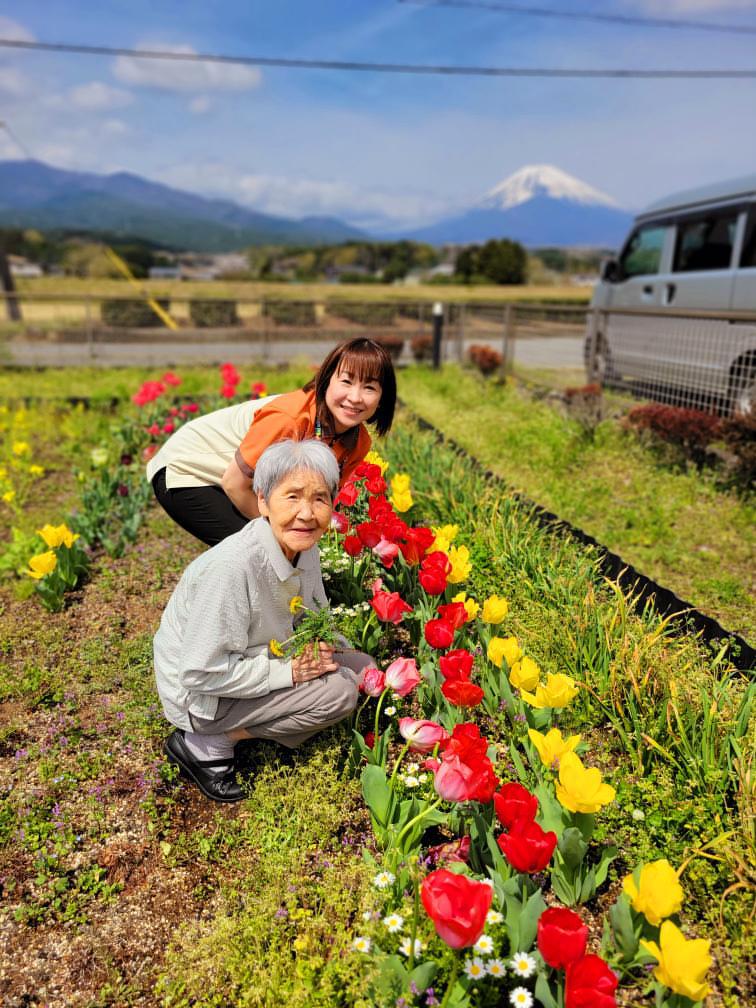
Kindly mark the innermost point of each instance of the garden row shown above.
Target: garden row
(494, 819)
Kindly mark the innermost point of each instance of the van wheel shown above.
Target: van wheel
(601, 368)
(743, 388)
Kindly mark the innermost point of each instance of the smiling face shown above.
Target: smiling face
(298, 510)
(351, 400)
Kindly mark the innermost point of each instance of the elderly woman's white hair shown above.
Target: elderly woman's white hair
(285, 457)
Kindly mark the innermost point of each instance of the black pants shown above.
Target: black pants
(204, 511)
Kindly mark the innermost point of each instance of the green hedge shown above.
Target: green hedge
(291, 312)
(363, 313)
(132, 312)
(212, 314)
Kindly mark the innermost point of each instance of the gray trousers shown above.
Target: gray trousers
(291, 716)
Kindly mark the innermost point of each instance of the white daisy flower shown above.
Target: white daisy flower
(496, 968)
(521, 997)
(367, 915)
(412, 768)
(484, 945)
(393, 922)
(475, 968)
(361, 944)
(411, 782)
(384, 879)
(404, 948)
(523, 965)
(390, 711)
(423, 777)
(494, 917)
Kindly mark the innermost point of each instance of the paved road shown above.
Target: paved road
(543, 351)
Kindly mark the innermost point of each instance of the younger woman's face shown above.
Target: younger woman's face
(351, 400)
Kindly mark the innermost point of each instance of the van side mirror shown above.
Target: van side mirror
(610, 271)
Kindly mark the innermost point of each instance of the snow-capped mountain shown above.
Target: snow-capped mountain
(537, 205)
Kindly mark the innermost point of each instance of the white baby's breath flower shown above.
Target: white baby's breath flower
(411, 782)
(475, 968)
(638, 815)
(496, 968)
(393, 922)
(406, 944)
(390, 711)
(367, 915)
(412, 768)
(423, 777)
(523, 965)
(384, 879)
(494, 917)
(521, 997)
(484, 945)
(361, 944)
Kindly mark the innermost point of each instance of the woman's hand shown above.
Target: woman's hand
(315, 661)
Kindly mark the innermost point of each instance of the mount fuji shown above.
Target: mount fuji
(537, 205)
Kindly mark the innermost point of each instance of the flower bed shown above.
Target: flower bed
(498, 791)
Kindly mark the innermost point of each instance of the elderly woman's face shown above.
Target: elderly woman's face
(298, 510)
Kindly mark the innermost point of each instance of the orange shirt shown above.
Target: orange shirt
(292, 415)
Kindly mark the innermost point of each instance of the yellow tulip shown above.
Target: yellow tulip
(459, 558)
(400, 483)
(495, 609)
(524, 674)
(557, 692)
(471, 606)
(275, 648)
(502, 649)
(551, 747)
(683, 962)
(445, 536)
(42, 564)
(658, 894)
(375, 459)
(296, 604)
(580, 788)
(58, 535)
(401, 500)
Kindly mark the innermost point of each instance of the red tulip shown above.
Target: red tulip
(389, 606)
(347, 495)
(370, 739)
(369, 534)
(421, 735)
(514, 802)
(352, 545)
(454, 613)
(228, 391)
(368, 470)
(590, 984)
(458, 780)
(526, 846)
(340, 522)
(562, 937)
(171, 379)
(438, 634)
(457, 905)
(433, 581)
(467, 742)
(402, 676)
(373, 682)
(418, 541)
(462, 693)
(456, 664)
(376, 484)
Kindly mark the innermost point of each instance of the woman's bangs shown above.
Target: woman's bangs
(364, 365)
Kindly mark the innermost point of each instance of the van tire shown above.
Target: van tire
(743, 387)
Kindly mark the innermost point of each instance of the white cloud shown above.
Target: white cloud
(183, 76)
(667, 7)
(96, 96)
(13, 30)
(11, 81)
(199, 105)
(115, 127)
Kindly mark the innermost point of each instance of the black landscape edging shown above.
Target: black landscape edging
(641, 589)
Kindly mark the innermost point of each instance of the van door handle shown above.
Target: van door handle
(671, 290)
(648, 289)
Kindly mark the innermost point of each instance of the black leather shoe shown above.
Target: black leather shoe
(219, 785)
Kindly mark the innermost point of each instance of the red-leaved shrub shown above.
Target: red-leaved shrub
(689, 430)
(485, 358)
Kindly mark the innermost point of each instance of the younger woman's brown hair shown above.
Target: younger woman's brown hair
(365, 359)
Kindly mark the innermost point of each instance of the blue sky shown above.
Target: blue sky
(375, 148)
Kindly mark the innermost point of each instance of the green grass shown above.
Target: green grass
(677, 527)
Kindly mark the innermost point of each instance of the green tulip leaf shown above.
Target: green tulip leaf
(377, 793)
(572, 847)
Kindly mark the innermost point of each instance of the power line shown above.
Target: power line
(397, 68)
(22, 147)
(622, 19)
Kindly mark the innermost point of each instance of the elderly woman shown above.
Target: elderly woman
(217, 678)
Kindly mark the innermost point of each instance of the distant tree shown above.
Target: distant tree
(499, 261)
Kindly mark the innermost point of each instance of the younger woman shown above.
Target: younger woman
(202, 475)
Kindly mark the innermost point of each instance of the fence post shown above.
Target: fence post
(509, 337)
(590, 362)
(438, 330)
(461, 332)
(90, 331)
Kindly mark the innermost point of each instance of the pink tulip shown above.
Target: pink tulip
(453, 779)
(373, 682)
(421, 735)
(386, 551)
(402, 676)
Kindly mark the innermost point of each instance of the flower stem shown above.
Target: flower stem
(413, 934)
(416, 819)
(452, 981)
(401, 756)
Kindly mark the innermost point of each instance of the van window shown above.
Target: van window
(748, 256)
(642, 254)
(705, 243)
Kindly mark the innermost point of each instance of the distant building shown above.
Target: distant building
(165, 273)
(21, 267)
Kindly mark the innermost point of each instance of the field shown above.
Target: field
(123, 887)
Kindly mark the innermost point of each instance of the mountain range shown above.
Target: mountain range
(538, 205)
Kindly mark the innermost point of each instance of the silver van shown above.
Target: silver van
(676, 310)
